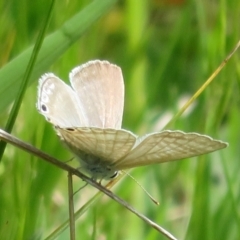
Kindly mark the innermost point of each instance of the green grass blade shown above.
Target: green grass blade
(27, 74)
(53, 47)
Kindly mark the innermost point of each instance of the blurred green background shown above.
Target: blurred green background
(166, 49)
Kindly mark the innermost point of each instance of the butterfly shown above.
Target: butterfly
(88, 117)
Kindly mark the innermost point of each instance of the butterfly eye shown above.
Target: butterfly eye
(114, 175)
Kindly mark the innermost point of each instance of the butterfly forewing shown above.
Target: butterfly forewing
(100, 90)
(168, 146)
(108, 144)
(58, 102)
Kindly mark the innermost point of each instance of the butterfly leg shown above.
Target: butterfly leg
(81, 188)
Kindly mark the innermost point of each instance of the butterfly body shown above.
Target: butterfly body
(95, 166)
(88, 118)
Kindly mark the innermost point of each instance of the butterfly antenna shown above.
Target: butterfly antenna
(154, 200)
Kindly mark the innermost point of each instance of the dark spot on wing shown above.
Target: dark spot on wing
(70, 129)
(44, 108)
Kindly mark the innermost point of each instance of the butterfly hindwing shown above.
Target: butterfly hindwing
(108, 144)
(168, 146)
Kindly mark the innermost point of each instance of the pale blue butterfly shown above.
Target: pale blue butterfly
(88, 118)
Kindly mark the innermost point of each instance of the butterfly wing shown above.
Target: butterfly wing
(107, 144)
(168, 146)
(100, 90)
(58, 102)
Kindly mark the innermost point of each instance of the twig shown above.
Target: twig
(71, 207)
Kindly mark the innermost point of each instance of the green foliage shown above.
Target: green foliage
(167, 50)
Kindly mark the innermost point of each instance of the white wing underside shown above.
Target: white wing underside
(168, 146)
(58, 102)
(108, 144)
(95, 100)
(100, 89)
(124, 150)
